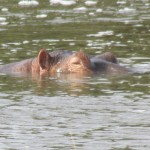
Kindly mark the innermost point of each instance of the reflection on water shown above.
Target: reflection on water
(70, 112)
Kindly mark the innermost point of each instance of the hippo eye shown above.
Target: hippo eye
(75, 61)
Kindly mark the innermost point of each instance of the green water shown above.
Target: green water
(68, 112)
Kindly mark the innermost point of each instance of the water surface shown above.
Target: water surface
(75, 113)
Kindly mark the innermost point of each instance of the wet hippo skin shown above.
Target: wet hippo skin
(66, 62)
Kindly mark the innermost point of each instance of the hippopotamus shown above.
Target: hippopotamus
(64, 62)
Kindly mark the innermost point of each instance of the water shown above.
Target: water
(69, 112)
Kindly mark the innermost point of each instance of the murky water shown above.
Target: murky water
(72, 113)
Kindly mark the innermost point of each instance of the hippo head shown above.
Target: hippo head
(77, 62)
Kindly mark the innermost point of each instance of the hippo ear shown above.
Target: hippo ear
(44, 59)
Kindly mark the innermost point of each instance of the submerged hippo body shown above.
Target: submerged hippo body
(65, 62)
